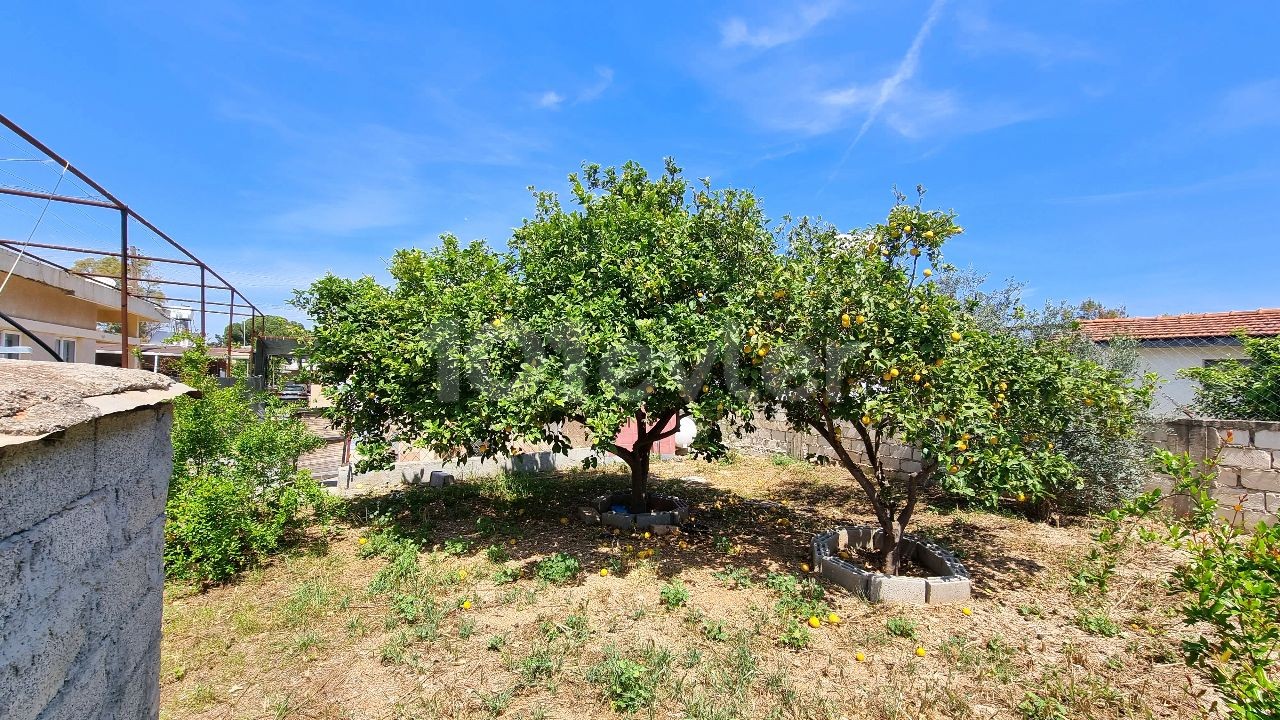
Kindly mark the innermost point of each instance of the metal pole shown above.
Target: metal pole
(231, 323)
(203, 336)
(124, 288)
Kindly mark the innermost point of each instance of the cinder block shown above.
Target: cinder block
(890, 588)
(49, 556)
(844, 575)
(37, 655)
(440, 478)
(1268, 480)
(950, 589)
(1245, 458)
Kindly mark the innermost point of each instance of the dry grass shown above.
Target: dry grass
(326, 632)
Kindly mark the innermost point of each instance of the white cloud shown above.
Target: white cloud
(549, 100)
(604, 78)
(1254, 105)
(978, 35)
(890, 86)
(735, 32)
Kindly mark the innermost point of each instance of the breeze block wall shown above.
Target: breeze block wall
(81, 562)
(1248, 465)
(776, 437)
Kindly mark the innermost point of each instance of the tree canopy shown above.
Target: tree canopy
(270, 325)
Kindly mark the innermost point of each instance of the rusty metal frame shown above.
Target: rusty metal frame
(127, 215)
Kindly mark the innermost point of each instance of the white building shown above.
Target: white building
(1169, 343)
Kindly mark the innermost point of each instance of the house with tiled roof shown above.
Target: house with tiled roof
(1169, 343)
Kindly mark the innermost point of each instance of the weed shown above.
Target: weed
(734, 577)
(902, 627)
(497, 554)
(674, 594)
(307, 600)
(714, 631)
(540, 665)
(495, 642)
(797, 598)
(466, 628)
(724, 545)
(1032, 610)
(358, 627)
(795, 635)
(627, 684)
(1096, 622)
(456, 546)
(781, 460)
(393, 650)
(506, 574)
(496, 702)
(1042, 707)
(559, 568)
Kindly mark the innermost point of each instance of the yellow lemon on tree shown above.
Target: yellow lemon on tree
(906, 229)
(564, 521)
(955, 336)
(866, 419)
(705, 388)
(814, 621)
(893, 372)
(928, 233)
(647, 535)
(916, 377)
(1022, 497)
(915, 252)
(762, 352)
(953, 469)
(920, 652)
(860, 319)
(928, 272)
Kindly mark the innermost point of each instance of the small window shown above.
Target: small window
(11, 339)
(66, 349)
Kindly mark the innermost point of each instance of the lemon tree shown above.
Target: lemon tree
(627, 308)
(860, 337)
(638, 299)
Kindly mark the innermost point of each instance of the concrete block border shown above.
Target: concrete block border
(665, 510)
(949, 584)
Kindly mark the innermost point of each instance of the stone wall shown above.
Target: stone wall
(1248, 466)
(81, 575)
(775, 437)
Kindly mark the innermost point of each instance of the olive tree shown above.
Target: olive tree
(860, 336)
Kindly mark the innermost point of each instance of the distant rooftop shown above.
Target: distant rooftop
(1263, 322)
(98, 292)
(41, 398)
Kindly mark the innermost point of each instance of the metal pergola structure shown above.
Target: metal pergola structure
(210, 280)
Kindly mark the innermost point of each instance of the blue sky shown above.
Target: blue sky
(1123, 151)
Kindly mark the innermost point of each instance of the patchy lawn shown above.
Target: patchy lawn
(463, 603)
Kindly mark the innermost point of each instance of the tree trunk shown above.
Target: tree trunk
(891, 555)
(640, 479)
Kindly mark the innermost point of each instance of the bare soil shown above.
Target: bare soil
(308, 637)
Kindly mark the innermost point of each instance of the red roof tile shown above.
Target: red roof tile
(1195, 325)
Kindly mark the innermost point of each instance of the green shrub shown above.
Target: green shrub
(559, 568)
(795, 635)
(1236, 390)
(235, 495)
(902, 627)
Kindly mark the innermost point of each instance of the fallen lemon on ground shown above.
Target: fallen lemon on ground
(814, 621)
(364, 540)
(604, 572)
(804, 567)
(564, 521)
(859, 657)
(966, 611)
(920, 652)
(833, 618)
(462, 574)
(466, 604)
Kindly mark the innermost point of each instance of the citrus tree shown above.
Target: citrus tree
(859, 336)
(626, 309)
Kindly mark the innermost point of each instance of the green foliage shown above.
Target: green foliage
(275, 326)
(1096, 622)
(1236, 390)
(797, 598)
(859, 335)
(901, 627)
(235, 495)
(795, 635)
(674, 594)
(1229, 582)
(559, 568)
(628, 685)
(613, 312)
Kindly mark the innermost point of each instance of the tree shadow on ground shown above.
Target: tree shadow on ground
(532, 516)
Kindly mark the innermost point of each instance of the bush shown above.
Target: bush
(674, 594)
(1229, 583)
(628, 685)
(1237, 390)
(235, 495)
